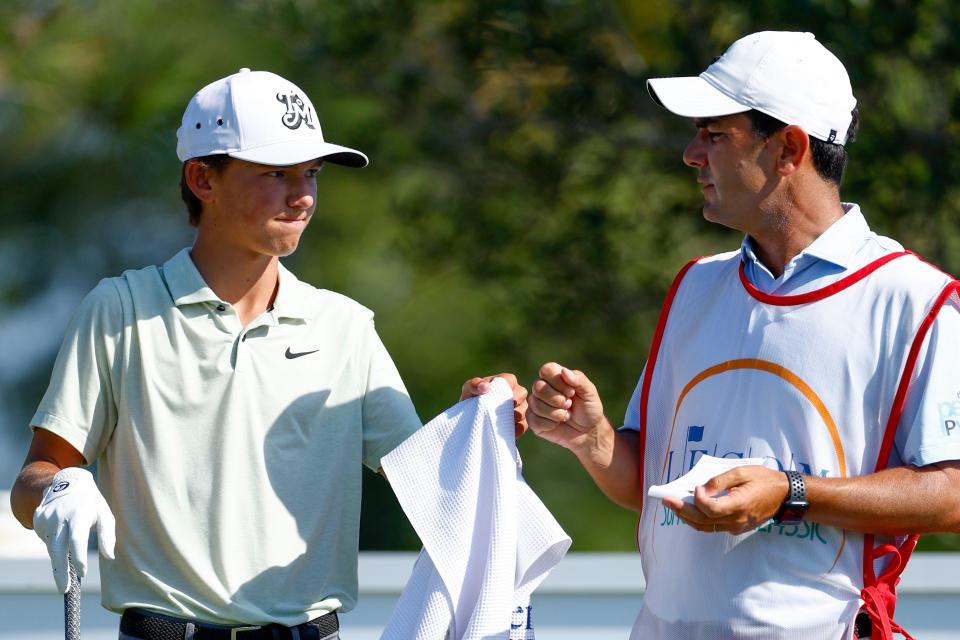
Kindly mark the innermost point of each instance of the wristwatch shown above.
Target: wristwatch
(795, 505)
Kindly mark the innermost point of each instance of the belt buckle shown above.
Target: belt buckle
(235, 630)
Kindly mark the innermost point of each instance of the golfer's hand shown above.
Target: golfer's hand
(736, 501)
(71, 506)
(479, 386)
(566, 409)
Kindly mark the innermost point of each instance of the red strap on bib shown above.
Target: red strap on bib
(880, 595)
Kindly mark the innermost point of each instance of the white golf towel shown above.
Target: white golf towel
(488, 541)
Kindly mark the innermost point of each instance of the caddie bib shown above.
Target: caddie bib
(812, 382)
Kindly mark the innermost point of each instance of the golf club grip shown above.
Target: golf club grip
(71, 605)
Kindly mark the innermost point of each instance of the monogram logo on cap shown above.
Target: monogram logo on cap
(297, 111)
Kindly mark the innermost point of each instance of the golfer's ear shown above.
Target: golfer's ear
(794, 148)
(197, 176)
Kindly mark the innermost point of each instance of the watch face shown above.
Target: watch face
(792, 513)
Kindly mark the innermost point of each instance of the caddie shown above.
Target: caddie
(820, 348)
(229, 406)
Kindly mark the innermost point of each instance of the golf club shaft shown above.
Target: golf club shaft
(71, 605)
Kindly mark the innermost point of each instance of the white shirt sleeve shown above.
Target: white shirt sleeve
(929, 428)
(631, 419)
(389, 416)
(79, 403)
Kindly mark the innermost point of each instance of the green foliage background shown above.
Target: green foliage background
(526, 200)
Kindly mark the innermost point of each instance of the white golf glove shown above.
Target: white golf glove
(70, 508)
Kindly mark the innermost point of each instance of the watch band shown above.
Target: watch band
(798, 488)
(795, 505)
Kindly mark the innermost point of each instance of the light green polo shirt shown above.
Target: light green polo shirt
(230, 455)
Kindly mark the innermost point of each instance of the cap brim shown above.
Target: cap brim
(692, 97)
(289, 153)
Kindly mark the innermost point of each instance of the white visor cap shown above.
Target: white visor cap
(787, 75)
(260, 117)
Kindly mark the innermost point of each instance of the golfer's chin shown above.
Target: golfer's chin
(714, 215)
(284, 244)
(710, 214)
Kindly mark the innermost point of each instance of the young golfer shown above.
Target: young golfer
(229, 406)
(819, 347)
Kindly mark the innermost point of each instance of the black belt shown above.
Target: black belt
(155, 626)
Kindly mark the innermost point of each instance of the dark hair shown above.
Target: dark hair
(217, 163)
(829, 159)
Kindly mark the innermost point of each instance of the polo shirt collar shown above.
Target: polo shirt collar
(184, 282)
(291, 300)
(187, 286)
(839, 244)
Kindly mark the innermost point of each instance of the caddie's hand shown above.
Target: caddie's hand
(565, 407)
(479, 386)
(735, 502)
(71, 506)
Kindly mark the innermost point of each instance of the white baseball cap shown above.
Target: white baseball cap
(787, 75)
(260, 117)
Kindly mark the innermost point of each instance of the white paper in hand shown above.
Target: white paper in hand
(707, 468)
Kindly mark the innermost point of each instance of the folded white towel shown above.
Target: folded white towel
(488, 541)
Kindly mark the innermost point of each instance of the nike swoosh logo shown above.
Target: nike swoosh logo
(291, 355)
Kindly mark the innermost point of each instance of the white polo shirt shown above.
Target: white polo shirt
(230, 455)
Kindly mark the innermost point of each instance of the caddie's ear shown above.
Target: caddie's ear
(198, 175)
(794, 149)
